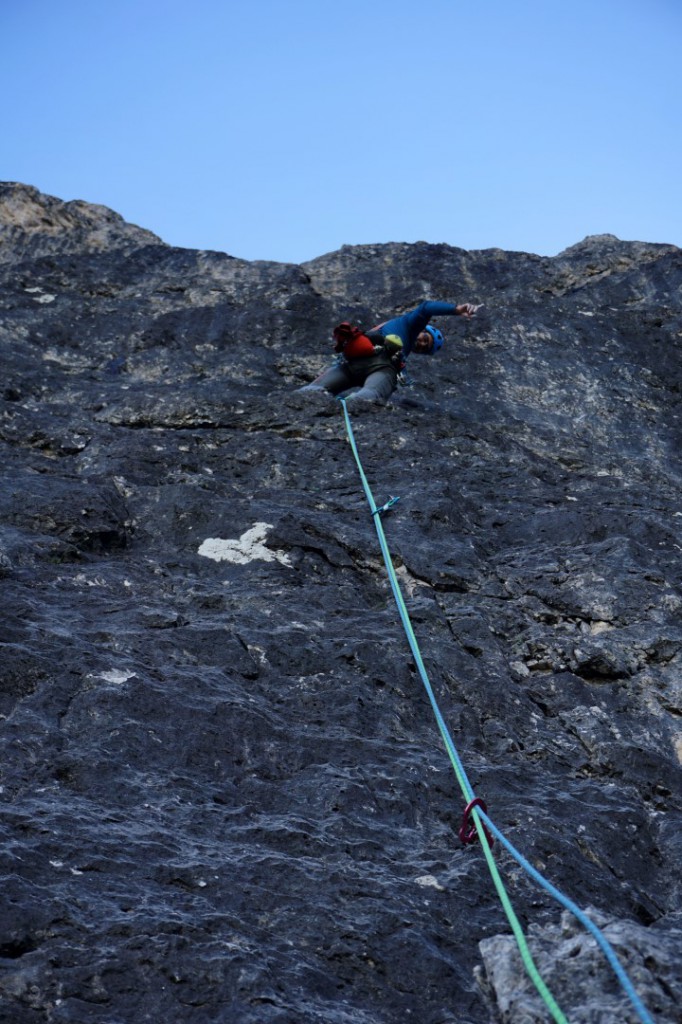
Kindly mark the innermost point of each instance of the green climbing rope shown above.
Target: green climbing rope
(528, 962)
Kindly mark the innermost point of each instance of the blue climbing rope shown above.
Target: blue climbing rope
(475, 807)
(585, 921)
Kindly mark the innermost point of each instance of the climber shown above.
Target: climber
(373, 361)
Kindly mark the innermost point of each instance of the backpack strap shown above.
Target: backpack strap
(343, 334)
(352, 342)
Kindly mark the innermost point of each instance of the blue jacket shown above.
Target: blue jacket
(410, 325)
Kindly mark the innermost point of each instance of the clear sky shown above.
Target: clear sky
(283, 129)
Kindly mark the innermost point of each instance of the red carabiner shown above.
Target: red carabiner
(467, 832)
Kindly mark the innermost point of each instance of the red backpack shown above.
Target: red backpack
(351, 342)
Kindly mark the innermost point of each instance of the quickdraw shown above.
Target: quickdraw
(468, 833)
(385, 508)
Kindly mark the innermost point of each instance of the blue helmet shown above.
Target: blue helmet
(437, 338)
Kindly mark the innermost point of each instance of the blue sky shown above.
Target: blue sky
(283, 129)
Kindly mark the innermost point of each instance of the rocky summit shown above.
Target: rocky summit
(224, 795)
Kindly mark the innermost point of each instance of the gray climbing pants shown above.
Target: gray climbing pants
(377, 385)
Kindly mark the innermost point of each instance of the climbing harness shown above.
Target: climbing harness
(476, 822)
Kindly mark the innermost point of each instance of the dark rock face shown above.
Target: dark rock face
(224, 796)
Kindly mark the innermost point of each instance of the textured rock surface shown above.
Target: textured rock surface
(569, 959)
(224, 797)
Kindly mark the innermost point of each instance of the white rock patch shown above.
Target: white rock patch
(115, 675)
(250, 546)
(429, 880)
(38, 296)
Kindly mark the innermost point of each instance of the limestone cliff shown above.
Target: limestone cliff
(223, 793)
